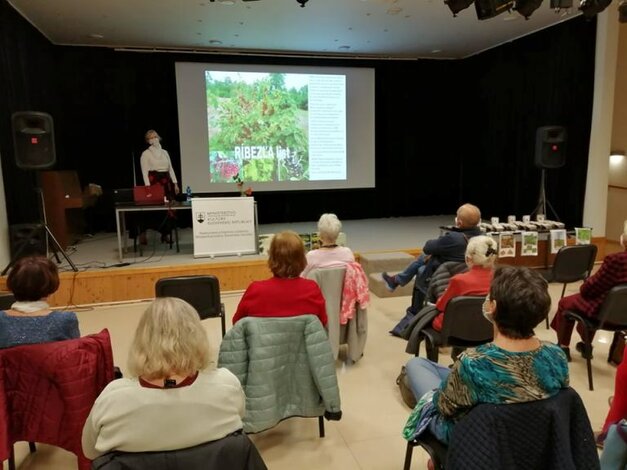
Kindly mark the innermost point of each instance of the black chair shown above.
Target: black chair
(235, 452)
(435, 449)
(572, 263)
(201, 292)
(464, 327)
(6, 300)
(612, 317)
(542, 434)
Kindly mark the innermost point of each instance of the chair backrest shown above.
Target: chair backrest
(331, 282)
(441, 278)
(6, 300)
(614, 307)
(235, 452)
(574, 263)
(285, 366)
(550, 433)
(201, 292)
(47, 391)
(464, 322)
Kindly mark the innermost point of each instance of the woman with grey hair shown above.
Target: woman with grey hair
(329, 255)
(174, 387)
(481, 254)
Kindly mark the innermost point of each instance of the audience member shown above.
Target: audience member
(449, 247)
(591, 295)
(286, 293)
(516, 367)
(480, 258)
(176, 397)
(329, 254)
(618, 403)
(30, 320)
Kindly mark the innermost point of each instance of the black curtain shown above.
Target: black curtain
(546, 78)
(446, 132)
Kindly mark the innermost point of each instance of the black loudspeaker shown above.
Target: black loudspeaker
(33, 140)
(27, 240)
(550, 147)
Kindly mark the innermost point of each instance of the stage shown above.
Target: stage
(101, 279)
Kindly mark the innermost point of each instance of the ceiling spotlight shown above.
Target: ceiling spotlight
(527, 7)
(458, 5)
(491, 8)
(590, 8)
(302, 3)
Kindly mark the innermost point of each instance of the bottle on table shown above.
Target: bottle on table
(188, 192)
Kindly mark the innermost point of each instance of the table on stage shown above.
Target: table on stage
(120, 218)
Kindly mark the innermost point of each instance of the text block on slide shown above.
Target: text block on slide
(224, 226)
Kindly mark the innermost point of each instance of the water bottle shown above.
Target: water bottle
(188, 192)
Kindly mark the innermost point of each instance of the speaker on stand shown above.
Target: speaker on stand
(33, 143)
(550, 153)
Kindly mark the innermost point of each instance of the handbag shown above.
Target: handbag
(403, 384)
(617, 348)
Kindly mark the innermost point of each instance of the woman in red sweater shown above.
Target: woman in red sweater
(480, 257)
(286, 294)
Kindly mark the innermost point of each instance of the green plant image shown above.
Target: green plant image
(258, 126)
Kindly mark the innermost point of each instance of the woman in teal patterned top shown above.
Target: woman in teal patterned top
(516, 367)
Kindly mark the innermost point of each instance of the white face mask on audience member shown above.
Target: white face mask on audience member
(488, 310)
(155, 142)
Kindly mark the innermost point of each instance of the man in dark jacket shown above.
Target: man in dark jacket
(448, 247)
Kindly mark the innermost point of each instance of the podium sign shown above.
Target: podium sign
(224, 226)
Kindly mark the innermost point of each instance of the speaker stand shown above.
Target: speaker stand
(543, 202)
(52, 241)
(54, 246)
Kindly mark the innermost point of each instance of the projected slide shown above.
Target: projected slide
(274, 127)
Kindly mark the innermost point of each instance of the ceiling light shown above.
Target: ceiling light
(96, 36)
(491, 8)
(215, 42)
(617, 157)
(458, 5)
(435, 51)
(590, 8)
(527, 7)
(394, 11)
(344, 48)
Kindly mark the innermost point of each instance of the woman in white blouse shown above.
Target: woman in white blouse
(157, 167)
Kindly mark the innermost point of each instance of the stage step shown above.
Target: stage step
(377, 286)
(391, 262)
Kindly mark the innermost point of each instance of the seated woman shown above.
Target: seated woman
(480, 258)
(286, 294)
(30, 319)
(591, 295)
(176, 397)
(329, 255)
(516, 367)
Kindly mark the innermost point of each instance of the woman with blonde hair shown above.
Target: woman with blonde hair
(285, 294)
(329, 255)
(174, 387)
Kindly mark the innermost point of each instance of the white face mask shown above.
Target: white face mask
(488, 315)
(154, 142)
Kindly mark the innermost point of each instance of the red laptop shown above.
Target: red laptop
(148, 195)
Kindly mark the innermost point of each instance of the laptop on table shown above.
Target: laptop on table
(148, 195)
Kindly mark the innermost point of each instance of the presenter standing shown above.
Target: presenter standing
(157, 167)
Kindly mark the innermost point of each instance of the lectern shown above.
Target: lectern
(62, 200)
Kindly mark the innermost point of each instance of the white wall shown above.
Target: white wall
(5, 254)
